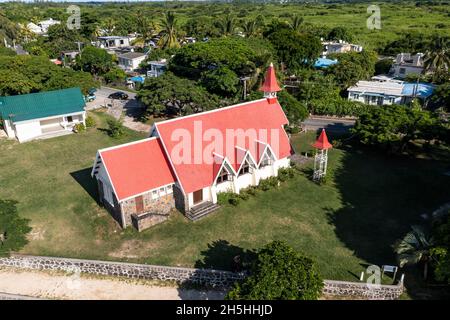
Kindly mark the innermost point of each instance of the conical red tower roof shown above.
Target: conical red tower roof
(270, 81)
(322, 142)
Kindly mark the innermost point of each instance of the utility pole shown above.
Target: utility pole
(244, 79)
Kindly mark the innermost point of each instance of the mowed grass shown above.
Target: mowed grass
(353, 220)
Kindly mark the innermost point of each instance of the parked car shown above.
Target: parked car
(118, 95)
(91, 95)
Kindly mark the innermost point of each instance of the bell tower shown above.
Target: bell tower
(270, 86)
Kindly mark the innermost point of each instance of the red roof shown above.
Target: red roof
(270, 81)
(137, 167)
(251, 122)
(322, 141)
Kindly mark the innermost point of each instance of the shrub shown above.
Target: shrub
(224, 198)
(252, 190)
(286, 173)
(279, 273)
(115, 128)
(267, 184)
(90, 122)
(244, 195)
(234, 199)
(79, 128)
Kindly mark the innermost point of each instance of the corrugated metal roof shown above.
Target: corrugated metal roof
(41, 105)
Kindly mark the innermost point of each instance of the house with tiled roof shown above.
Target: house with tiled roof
(29, 116)
(186, 162)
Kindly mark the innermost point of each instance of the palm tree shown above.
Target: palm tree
(296, 23)
(414, 248)
(437, 58)
(109, 25)
(169, 32)
(146, 29)
(250, 28)
(227, 25)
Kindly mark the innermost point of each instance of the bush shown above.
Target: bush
(243, 194)
(115, 128)
(269, 183)
(279, 273)
(90, 122)
(286, 173)
(224, 198)
(79, 128)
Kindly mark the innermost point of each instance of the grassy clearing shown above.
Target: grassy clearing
(350, 222)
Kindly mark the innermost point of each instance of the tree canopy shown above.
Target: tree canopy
(218, 64)
(294, 49)
(171, 95)
(393, 127)
(27, 74)
(94, 60)
(279, 272)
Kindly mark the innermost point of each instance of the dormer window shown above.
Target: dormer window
(223, 176)
(245, 168)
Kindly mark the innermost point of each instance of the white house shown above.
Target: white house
(406, 64)
(188, 161)
(29, 116)
(113, 42)
(339, 47)
(131, 60)
(45, 24)
(386, 91)
(34, 28)
(157, 68)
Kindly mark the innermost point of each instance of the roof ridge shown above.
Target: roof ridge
(210, 111)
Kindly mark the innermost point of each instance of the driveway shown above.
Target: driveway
(130, 109)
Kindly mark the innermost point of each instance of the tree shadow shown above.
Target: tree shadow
(222, 255)
(84, 179)
(382, 197)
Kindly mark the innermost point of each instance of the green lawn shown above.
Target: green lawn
(369, 203)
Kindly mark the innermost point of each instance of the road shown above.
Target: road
(102, 99)
(335, 125)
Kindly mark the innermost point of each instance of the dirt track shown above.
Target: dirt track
(73, 287)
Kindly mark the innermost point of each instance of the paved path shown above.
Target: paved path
(130, 109)
(337, 125)
(58, 286)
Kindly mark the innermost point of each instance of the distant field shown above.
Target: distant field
(395, 17)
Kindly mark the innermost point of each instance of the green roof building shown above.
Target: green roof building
(43, 114)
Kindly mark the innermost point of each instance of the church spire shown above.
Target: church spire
(270, 86)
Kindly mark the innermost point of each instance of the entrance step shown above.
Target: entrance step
(201, 210)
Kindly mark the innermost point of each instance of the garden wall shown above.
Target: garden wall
(209, 277)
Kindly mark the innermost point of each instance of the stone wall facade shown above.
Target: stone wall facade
(208, 277)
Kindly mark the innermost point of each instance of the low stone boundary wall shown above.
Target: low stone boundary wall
(362, 290)
(209, 277)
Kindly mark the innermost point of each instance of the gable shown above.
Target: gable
(137, 167)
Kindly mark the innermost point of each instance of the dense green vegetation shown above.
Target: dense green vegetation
(279, 273)
(27, 74)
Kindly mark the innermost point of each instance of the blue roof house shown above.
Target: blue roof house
(44, 114)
